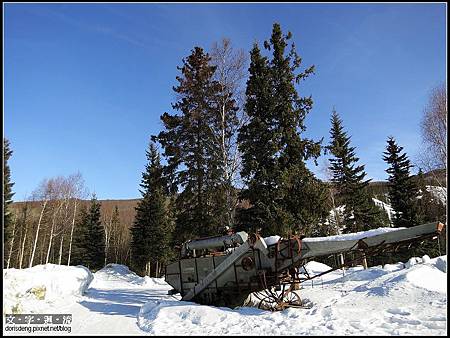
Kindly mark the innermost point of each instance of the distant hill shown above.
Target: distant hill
(127, 206)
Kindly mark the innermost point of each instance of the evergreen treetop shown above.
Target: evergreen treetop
(403, 190)
(151, 233)
(273, 151)
(192, 148)
(348, 178)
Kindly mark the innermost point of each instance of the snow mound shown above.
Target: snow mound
(427, 277)
(440, 263)
(314, 267)
(113, 274)
(418, 272)
(32, 288)
(173, 317)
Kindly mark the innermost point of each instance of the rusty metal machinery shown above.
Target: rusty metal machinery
(225, 270)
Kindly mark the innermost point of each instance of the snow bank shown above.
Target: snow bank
(114, 274)
(440, 263)
(427, 277)
(418, 272)
(30, 288)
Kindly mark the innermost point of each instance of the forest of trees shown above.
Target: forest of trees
(232, 155)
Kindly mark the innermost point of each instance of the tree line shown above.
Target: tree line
(194, 195)
(56, 224)
(233, 157)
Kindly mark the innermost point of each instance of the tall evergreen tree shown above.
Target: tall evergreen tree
(258, 146)
(79, 254)
(153, 225)
(193, 151)
(349, 181)
(94, 246)
(7, 192)
(403, 190)
(273, 151)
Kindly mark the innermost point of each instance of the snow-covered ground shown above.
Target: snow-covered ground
(396, 299)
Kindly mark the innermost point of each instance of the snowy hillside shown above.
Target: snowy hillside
(386, 207)
(395, 299)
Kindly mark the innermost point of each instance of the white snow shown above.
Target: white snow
(35, 288)
(343, 237)
(386, 207)
(438, 192)
(351, 236)
(395, 299)
(271, 240)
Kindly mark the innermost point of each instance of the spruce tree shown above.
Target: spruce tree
(79, 255)
(153, 225)
(273, 150)
(258, 146)
(403, 190)
(94, 239)
(348, 178)
(89, 237)
(7, 192)
(192, 150)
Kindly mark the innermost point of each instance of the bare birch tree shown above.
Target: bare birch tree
(25, 233)
(78, 191)
(43, 194)
(230, 74)
(11, 244)
(434, 134)
(57, 201)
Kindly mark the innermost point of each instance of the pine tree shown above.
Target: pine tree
(7, 193)
(273, 151)
(79, 255)
(403, 191)
(89, 237)
(304, 196)
(193, 151)
(96, 231)
(348, 179)
(258, 146)
(153, 225)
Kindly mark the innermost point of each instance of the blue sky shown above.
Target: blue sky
(85, 84)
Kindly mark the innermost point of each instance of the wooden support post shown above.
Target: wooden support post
(364, 260)
(341, 258)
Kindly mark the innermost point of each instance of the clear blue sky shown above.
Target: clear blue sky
(85, 84)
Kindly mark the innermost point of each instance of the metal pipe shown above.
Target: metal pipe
(215, 242)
